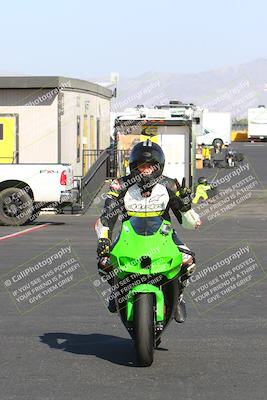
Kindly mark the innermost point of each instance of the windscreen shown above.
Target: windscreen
(146, 226)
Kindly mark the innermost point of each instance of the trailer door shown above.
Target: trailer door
(7, 139)
(176, 146)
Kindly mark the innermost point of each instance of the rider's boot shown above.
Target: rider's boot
(188, 268)
(180, 313)
(104, 269)
(112, 305)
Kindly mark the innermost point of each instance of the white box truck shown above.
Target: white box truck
(174, 127)
(257, 123)
(216, 125)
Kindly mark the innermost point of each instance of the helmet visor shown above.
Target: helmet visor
(146, 168)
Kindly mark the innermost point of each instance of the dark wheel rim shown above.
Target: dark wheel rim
(12, 208)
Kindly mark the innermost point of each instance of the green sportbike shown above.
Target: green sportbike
(146, 266)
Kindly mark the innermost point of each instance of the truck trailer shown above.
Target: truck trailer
(173, 126)
(216, 125)
(257, 123)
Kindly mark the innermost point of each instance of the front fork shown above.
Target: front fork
(146, 288)
(166, 298)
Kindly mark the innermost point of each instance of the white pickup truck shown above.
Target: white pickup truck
(27, 188)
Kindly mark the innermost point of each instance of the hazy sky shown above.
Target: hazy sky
(91, 38)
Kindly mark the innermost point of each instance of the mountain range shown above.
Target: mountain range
(231, 88)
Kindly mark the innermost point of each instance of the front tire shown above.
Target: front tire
(15, 206)
(144, 328)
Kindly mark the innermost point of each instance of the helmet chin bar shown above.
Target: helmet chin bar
(147, 182)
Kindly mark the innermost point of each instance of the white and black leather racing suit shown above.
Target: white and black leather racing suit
(125, 199)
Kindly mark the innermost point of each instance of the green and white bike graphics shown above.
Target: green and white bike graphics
(146, 267)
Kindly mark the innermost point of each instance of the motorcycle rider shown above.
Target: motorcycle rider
(147, 192)
(203, 190)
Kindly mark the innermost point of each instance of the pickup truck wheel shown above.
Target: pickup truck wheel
(15, 206)
(36, 209)
(34, 216)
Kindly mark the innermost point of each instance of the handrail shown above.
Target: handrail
(95, 167)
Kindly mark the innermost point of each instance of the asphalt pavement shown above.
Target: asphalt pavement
(71, 347)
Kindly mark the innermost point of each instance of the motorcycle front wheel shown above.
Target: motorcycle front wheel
(144, 329)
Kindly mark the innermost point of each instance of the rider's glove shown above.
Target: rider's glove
(185, 199)
(104, 266)
(191, 220)
(185, 196)
(103, 247)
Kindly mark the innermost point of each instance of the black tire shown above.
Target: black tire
(144, 328)
(35, 214)
(15, 207)
(33, 217)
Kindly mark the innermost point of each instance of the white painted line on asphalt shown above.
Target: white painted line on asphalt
(254, 145)
(25, 231)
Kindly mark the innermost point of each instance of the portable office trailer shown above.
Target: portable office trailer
(52, 120)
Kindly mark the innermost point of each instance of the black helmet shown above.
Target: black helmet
(217, 143)
(202, 180)
(147, 153)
